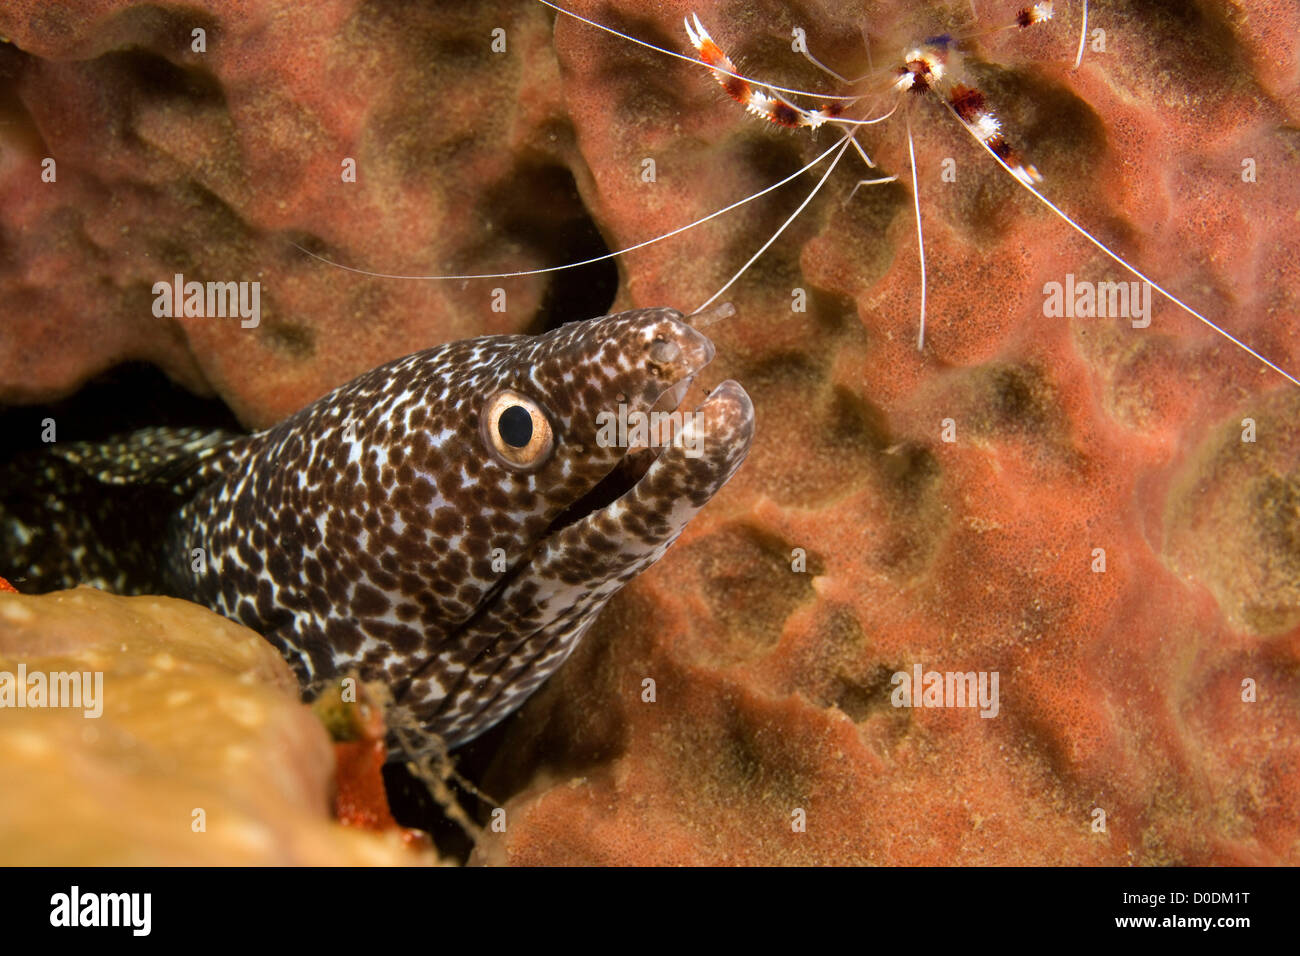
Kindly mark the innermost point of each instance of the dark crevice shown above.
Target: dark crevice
(117, 527)
(127, 397)
(147, 77)
(582, 293)
(537, 207)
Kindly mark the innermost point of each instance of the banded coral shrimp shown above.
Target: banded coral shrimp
(1041, 101)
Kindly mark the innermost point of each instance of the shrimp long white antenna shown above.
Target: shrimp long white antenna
(584, 262)
(690, 59)
(1120, 259)
(920, 240)
(842, 146)
(1083, 36)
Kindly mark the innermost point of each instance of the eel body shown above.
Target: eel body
(449, 523)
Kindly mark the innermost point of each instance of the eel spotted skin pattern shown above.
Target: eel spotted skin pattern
(450, 523)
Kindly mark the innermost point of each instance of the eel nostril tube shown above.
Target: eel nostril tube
(706, 317)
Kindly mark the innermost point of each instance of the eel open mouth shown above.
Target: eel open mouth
(666, 478)
(678, 353)
(667, 420)
(664, 422)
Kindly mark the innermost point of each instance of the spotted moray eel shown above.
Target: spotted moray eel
(448, 523)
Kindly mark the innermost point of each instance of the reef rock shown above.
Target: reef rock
(187, 744)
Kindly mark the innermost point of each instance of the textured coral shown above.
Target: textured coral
(1120, 690)
(213, 164)
(197, 713)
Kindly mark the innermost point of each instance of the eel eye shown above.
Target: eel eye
(517, 430)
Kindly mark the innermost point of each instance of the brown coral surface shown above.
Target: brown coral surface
(1162, 691)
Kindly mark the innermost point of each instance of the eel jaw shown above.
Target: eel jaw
(659, 480)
